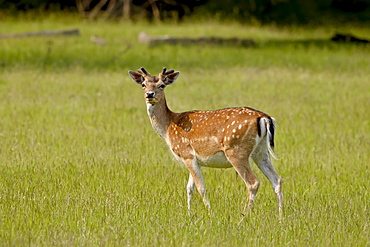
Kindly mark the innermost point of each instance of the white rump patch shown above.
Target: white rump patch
(265, 135)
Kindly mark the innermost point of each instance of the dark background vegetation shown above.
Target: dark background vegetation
(262, 11)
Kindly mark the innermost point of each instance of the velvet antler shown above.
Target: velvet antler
(143, 72)
(166, 72)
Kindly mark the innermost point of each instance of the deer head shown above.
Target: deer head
(153, 86)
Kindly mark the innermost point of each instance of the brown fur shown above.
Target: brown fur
(221, 139)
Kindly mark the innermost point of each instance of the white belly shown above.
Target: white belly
(218, 160)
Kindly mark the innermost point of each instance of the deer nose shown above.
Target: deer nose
(149, 95)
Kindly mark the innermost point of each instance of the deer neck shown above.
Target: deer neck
(160, 117)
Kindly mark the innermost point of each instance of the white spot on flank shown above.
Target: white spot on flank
(233, 123)
(240, 126)
(234, 130)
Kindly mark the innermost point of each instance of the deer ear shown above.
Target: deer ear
(138, 78)
(171, 78)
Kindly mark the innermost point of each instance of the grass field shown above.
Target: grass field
(80, 164)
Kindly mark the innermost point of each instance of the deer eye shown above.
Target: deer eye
(143, 85)
(162, 86)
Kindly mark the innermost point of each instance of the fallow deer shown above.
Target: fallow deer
(220, 139)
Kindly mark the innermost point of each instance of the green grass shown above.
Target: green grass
(81, 165)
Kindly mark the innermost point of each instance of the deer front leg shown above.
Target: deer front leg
(190, 190)
(197, 179)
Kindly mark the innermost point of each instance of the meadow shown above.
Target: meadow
(80, 164)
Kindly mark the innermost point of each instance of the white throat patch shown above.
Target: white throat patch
(150, 109)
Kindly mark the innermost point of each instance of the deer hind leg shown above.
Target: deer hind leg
(240, 162)
(196, 178)
(262, 158)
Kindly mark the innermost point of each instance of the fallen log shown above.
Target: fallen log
(340, 37)
(161, 40)
(71, 32)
